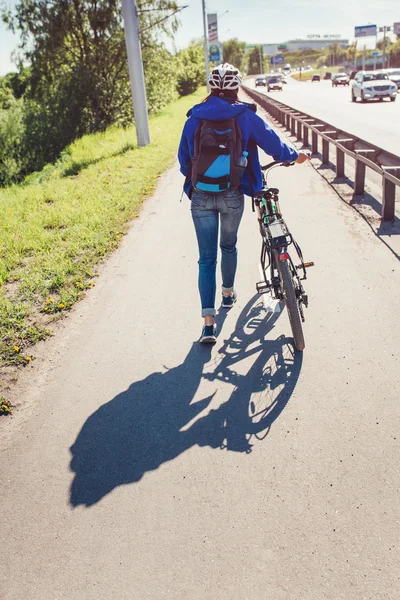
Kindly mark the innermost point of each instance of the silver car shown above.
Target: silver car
(372, 85)
(394, 75)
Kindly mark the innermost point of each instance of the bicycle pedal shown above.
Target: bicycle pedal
(262, 287)
(305, 265)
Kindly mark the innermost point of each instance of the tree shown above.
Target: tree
(78, 79)
(191, 71)
(234, 53)
(80, 44)
(255, 61)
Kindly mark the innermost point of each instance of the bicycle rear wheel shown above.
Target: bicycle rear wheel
(291, 302)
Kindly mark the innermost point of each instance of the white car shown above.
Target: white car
(394, 75)
(371, 85)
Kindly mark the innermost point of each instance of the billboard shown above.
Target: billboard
(277, 60)
(365, 31)
(396, 28)
(212, 28)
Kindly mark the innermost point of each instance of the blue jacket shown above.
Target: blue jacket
(255, 132)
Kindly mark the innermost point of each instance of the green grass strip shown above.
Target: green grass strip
(58, 224)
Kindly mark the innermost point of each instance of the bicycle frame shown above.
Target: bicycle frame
(276, 243)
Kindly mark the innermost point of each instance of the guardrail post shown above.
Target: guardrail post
(359, 178)
(299, 132)
(325, 151)
(339, 162)
(305, 135)
(389, 196)
(287, 124)
(293, 127)
(314, 142)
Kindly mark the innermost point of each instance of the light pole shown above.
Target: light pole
(385, 29)
(206, 45)
(136, 75)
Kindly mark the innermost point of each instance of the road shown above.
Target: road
(142, 465)
(376, 122)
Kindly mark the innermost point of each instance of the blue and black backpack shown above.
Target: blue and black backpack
(217, 149)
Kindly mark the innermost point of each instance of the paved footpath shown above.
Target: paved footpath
(144, 466)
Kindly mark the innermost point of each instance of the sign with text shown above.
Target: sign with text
(212, 28)
(325, 36)
(396, 28)
(365, 31)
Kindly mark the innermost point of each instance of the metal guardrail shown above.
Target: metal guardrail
(301, 125)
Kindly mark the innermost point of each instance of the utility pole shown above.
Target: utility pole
(136, 75)
(385, 29)
(355, 55)
(384, 47)
(206, 45)
(261, 61)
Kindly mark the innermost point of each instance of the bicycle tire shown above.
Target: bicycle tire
(291, 303)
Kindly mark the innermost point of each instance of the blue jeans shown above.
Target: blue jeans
(208, 210)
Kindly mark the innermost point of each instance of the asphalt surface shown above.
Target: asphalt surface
(142, 465)
(376, 122)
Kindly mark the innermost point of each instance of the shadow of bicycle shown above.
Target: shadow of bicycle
(157, 419)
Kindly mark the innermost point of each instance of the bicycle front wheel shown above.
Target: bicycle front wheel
(291, 303)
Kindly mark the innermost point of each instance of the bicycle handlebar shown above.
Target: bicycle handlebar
(275, 163)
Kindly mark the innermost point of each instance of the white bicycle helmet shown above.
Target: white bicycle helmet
(225, 77)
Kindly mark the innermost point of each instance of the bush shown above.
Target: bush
(12, 131)
(191, 72)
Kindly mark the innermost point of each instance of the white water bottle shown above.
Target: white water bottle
(242, 163)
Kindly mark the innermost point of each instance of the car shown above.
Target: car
(340, 79)
(261, 81)
(282, 78)
(394, 75)
(372, 85)
(315, 78)
(274, 83)
(328, 75)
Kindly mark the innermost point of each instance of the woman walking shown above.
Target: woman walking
(218, 156)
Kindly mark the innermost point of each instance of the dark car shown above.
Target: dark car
(328, 75)
(316, 78)
(340, 79)
(261, 81)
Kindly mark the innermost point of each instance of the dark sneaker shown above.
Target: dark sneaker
(228, 301)
(209, 334)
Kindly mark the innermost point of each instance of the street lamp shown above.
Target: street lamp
(136, 75)
(384, 29)
(206, 45)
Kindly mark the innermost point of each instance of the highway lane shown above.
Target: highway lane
(376, 122)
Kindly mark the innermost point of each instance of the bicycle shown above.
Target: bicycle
(282, 278)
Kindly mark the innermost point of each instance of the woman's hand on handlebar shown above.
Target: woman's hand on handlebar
(303, 157)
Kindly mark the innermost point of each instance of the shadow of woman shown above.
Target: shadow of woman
(261, 393)
(147, 425)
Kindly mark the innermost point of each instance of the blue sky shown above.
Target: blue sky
(263, 21)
